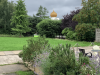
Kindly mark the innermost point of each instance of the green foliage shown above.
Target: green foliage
(20, 54)
(66, 30)
(74, 35)
(89, 13)
(19, 18)
(71, 35)
(83, 59)
(42, 13)
(48, 28)
(62, 61)
(34, 21)
(33, 48)
(6, 9)
(85, 32)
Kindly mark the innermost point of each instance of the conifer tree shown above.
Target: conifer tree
(20, 19)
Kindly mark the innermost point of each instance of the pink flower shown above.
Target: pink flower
(87, 74)
(84, 63)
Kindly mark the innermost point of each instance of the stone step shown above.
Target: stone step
(12, 68)
(3, 53)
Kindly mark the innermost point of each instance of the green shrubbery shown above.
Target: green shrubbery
(48, 28)
(83, 32)
(86, 32)
(33, 48)
(61, 60)
(71, 35)
(6, 35)
(66, 30)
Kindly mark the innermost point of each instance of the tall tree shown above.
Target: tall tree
(11, 9)
(3, 14)
(19, 18)
(6, 8)
(89, 13)
(42, 12)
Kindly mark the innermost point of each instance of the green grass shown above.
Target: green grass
(16, 43)
(22, 73)
(25, 73)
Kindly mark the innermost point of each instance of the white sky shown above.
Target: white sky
(61, 7)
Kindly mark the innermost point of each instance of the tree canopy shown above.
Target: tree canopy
(90, 12)
(20, 18)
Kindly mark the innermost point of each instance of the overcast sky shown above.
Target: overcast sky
(61, 7)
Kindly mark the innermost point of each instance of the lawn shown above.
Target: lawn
(25, 73)
(22, 73)
(16, 43)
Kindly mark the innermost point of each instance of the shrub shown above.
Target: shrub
(62, 61)
(49, 28)
(85, 32)
(74, 35)
(33, 48)
(71, 35)
(66, 30)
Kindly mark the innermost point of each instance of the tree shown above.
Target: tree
(3, 13)
(89, 13)
(42, 13)
(19, 18)
(6, 8)
(11, 9)
(67, 21)
(36, 19)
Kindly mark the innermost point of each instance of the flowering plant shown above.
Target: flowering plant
(87, 70)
